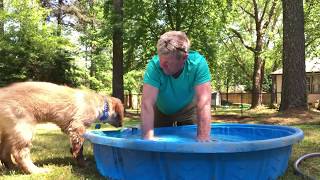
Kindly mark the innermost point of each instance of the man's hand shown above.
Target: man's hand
(148, 135)
(203, 139)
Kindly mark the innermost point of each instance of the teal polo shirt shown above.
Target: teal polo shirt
(176, 93)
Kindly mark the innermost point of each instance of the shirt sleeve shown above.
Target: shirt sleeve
(202, 73)
(151, 75)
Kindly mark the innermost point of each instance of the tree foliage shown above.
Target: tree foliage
(254, 29)
(312, 28)
(29, 48)
(71, 42)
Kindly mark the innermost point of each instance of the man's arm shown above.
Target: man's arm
(203, 95)
(149, 96)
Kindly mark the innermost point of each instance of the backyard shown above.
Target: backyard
(51, 146)
(246, 51)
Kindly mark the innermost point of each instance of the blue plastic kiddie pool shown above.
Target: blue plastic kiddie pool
(237, 151)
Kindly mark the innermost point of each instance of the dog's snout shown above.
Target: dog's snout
(118, 122)
(115, 124)
(115, 120)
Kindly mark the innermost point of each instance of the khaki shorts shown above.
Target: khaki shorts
(186, 116)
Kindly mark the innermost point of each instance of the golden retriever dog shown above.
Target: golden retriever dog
(24, 105)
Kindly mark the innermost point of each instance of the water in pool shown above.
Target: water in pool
(171, 136)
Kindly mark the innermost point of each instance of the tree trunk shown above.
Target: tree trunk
(273, 91)
(130, 99)
(293, 95)
(93, 67)
(262, 20)
(117, 60)
(59, 18)
(258, 71)
(227, 95)
(1, 22)
(257, 82)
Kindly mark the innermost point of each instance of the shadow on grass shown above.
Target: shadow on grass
(51, 150)
(88, 172)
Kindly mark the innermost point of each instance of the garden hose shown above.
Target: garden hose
(296, 164)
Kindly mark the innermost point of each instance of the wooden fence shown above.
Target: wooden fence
(244, 98)
(133, 101)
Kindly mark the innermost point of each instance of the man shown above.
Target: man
(176, 88)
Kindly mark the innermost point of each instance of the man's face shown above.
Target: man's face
(170, 64)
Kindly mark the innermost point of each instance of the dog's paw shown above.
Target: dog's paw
(9, 165)
(82, 163)
(39, 170)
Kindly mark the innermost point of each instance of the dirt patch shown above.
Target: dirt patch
(294, 117)
(229, 117)
(283, 118)
(132, 115)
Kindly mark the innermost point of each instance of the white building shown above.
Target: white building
(313, 81)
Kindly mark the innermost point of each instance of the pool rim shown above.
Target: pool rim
(208, 147)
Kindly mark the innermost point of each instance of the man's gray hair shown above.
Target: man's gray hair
(173, 43)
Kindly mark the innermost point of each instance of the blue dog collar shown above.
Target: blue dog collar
(105, 112)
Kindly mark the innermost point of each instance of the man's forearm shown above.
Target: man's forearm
(147, 113)
(204, 122)
(147, 117)
(204, 111)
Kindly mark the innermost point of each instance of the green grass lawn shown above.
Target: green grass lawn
(308, 121)
(51, 148)
(309, 144)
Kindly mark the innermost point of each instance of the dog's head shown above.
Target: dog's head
(115, 111)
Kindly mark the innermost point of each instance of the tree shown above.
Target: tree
(1, 23)
(146, 20)
(29, 48)
(262, 18)
(117, 59)
(133, 82)
(293, 95)
(67, 13)
(312, 26)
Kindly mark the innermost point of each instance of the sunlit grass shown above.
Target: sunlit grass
(51, 150)
(311, 167)
(310, 144)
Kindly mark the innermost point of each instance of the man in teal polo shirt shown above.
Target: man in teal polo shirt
(176, 88)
